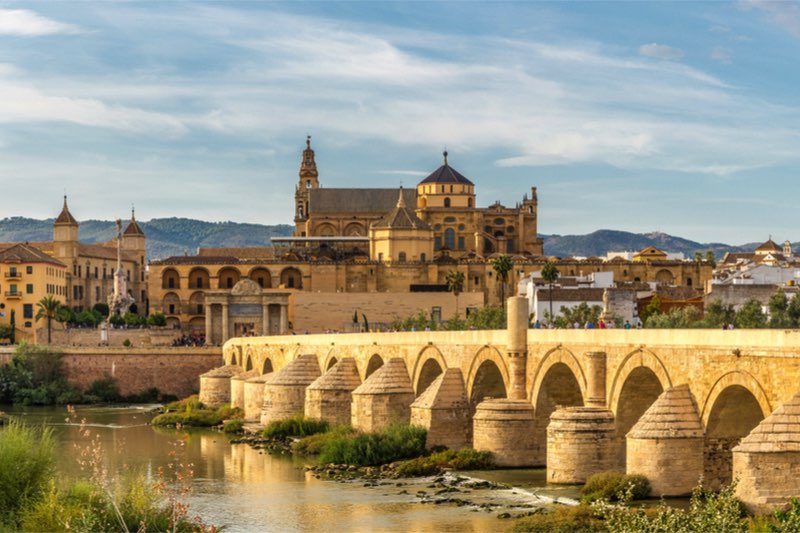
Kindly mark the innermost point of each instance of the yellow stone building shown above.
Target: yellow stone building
(28, 275)
(90, 267)
(350, 244)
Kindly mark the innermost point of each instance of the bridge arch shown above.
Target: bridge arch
(248, 358)
(373, 364)
(488, 376)
(559, 381)
(266, 366)
(636, 359)
(428, 365)
(734, 406)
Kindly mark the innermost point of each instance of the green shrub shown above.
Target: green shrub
(126, 343)
(296, 426)
(368, 449)
(464, 459)
(611, 485)
(190, 412)
(116, 320)
(313, 444)
(104, 389)
(188, 403)
(563, 519)
(233, 426)
(27, 463)
(157, 319)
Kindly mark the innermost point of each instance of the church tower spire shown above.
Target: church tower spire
(309, 180)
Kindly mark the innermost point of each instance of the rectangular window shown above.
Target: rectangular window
(461, 243)
(27, 310)
(97, 294)
(29, 288)
(13, 271)
(96, 270)
(437, 243)
(12, 288)
(29, 269)
(436, 314)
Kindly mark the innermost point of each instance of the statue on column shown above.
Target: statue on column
(119, 302)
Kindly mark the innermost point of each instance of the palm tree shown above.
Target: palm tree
(550, 275)
(502, 265)
(455, 284)
(48, 308)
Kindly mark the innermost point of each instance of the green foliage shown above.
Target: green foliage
(502, 265)
(581, 314)
(751, 316)
(708, 511)
(296, 426)
(782, 521)
(88, 319)
(5, 331)
(455, 282)
(157, 319)
(233, 426)
(563, 519)
(654, 307)
(35, 376)
(101, 308)
(489, 317)
(313, 444)
(190, 412)
(104, 389)
(48, 308)
(27, 463)
(126, 343)
(132, 320)
(464, 459)
(677, 318)
(368, 449)
(116, 320)
(611, 485)
(717, 314)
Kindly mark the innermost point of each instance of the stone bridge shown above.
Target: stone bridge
(498, 390)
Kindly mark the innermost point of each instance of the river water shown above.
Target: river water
(248, 490)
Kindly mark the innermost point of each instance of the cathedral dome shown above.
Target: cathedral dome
(446, 174)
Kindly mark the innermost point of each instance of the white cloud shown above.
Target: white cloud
(723, 55)
(661, 51)
(784, 13)
(26, 23)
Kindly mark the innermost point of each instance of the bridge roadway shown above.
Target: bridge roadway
(737, 377)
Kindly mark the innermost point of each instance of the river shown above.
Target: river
(247, 490)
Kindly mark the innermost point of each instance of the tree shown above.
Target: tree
(698, 257)
(550, 275)
(48, 308)
(779, 311)
(750, 315)
(711, 258)
(455, 284)
(581, 314)
(654, 307)
(718, 314)
(502, 265)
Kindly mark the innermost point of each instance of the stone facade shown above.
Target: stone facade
(215, 385)
(285, 392)
(384, 398)
(245, 310)
(237, 388)
(443, 410)
(666, 444)
(580, 442)
(330, 396)
(254, 396)
(767, 461)
(505, 428)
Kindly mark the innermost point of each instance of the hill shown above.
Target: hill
(180, 236)
(165, 236)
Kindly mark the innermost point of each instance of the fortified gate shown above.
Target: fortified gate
(672, 404)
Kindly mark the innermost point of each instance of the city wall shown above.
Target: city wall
(144, 337)
(171, 370)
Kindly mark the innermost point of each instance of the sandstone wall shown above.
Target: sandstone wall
(144, 337)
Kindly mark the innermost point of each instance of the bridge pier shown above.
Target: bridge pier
(215, 385)
(330, 396)
(443, 410)
(384, 398)
(581, 441)
(254, 396)
(666, 444)
(285, 393)
(237, 387)
(767, 461)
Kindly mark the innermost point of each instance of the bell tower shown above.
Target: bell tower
(309, 179)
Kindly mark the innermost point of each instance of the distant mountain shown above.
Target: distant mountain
(165, 236)
(179, 236)
(602, 241)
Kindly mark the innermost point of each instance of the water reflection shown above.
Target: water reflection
(248, 490)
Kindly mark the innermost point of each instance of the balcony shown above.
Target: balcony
(13, 295)
(13, 275)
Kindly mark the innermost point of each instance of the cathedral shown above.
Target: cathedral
(438, 216)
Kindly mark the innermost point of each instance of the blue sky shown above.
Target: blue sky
(675, 117)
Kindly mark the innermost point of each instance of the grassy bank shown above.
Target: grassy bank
(190, 412)
(34, 497)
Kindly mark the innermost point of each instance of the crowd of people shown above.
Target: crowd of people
(193, 340)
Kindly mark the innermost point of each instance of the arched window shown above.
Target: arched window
(401, 257)
(447, 202)
(450, 238)
(469, 202)
(422, 257)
